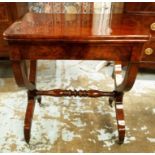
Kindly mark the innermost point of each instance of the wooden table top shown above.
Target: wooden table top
(76, 27)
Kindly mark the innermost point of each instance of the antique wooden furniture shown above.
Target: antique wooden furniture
(73, 37)
(143, 9)
(9, 12)
(139, 7)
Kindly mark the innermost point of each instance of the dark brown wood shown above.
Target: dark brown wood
(120, 116)
(144, 9)
(9, 12)
(139, 7)
(80, 93)
(131, 72)
(118, 99)
(33, 70)
(29, 116)
(21, 75)
(31, 101)
(66, 28)
(75, 51)
(60, 36)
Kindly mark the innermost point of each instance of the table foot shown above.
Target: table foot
(120, 117)
(28, 117)
(27, 134)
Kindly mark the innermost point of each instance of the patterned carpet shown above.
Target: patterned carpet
(77, 124)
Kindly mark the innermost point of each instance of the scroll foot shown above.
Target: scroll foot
(120, 117)
(27, 134)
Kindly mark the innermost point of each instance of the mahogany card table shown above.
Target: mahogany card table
(120, 38)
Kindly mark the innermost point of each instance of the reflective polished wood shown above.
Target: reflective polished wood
(121, 38)
(143, 9)
(9, 12)
(80, 26)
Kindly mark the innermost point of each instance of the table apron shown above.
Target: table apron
(76, 52)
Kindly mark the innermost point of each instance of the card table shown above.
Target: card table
(120, 38)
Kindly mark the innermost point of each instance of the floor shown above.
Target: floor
(76, 124)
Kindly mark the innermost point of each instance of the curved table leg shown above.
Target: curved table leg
(22, 79)
(32, 77)
(122, 85)
(129, 79)
(20, 73)
(31, 102)
(120, 117)
(28, 117)
(131, 71)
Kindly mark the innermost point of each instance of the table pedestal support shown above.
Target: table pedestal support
(34, 94)
(120, 117)
(29, 116)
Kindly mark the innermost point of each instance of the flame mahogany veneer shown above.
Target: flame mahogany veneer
(123, 39)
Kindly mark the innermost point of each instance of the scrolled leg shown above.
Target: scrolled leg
(123, 84)
(28, 117)
(120, 116)
(31, 102)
